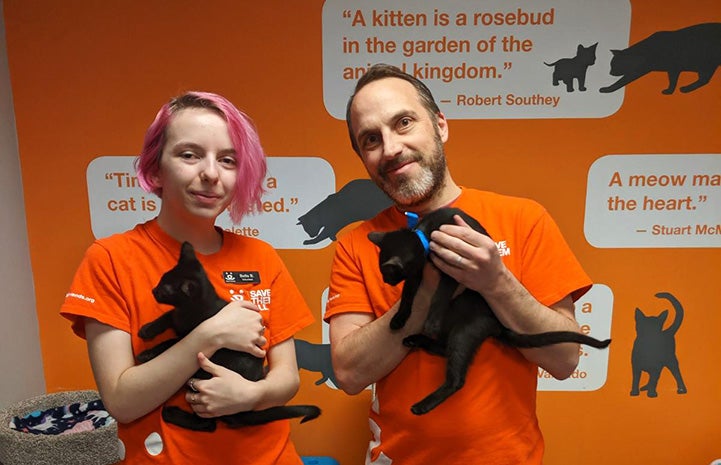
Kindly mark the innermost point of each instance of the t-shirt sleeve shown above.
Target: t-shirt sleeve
(95, 293)
(550, 269)
(347, 291)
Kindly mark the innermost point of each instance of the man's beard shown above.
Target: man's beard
(410, 191)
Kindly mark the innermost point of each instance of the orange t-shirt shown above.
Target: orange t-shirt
(492, 419)
(113, 285)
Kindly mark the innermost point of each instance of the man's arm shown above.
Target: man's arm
(481, 268)
(364, 349)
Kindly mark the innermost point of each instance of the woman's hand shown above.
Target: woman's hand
(238, 326)
(225, 393)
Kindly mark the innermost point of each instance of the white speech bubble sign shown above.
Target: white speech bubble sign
(293, 185)
(481, 60)
(654, 201)
(593, 313)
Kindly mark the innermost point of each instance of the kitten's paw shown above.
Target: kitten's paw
(413, 341)
(144, 333)
(397, 323)
(681, 390)
(634, 392)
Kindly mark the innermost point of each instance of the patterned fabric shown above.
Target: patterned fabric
(67, 419)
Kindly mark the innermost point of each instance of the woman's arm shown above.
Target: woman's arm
(364, 349)
(130, 391)
(227, 392)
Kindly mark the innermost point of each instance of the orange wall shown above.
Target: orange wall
(88, 77)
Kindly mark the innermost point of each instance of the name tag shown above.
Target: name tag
(241, 277)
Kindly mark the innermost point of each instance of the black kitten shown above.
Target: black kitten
(455, 327)
(187, 288)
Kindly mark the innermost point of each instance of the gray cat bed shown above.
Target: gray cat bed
(98, 446)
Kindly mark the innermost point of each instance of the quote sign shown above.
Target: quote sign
(654, 201)
(593, 313)
(490, 59)
(293, 186)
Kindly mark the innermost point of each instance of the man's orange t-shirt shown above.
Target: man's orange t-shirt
(492, 419)
(113, 285)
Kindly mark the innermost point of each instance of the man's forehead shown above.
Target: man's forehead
(384, 99)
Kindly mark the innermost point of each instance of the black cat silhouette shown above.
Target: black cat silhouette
(187, 288)
(695, 48)
(455, 327)
(655, 348)
(567, 69)
(358, 200)
(315, 357)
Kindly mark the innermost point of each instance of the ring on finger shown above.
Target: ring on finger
(191, 385)
(192, 398)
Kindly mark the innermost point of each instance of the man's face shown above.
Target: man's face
(400, 144)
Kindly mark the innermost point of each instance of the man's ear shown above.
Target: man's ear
(442, 126)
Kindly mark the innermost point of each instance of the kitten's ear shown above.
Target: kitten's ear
(376, 237)
(186, 251)
(663, 316)
(615, 52)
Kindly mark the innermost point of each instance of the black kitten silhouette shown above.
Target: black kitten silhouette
(358, 200)
(315, 357)
(694, 48)
(567, 69)
(655, 348)
(187, 288)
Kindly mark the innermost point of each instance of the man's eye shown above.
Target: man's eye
(371, 141)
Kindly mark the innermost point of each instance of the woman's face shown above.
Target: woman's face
(198, 168)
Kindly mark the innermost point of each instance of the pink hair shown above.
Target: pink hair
(250, 156)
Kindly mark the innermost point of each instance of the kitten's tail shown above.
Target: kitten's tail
(550, 64)
(261, 417)
(553, 337)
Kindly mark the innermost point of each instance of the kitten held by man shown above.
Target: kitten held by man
(187, 288)
(455, 327)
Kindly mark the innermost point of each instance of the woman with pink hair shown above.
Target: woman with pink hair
(201, 156)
